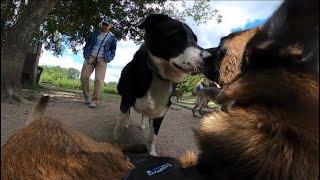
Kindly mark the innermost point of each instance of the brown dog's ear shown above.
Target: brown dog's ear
(151, 20)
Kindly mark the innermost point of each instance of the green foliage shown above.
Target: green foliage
(110, 88)
(188, 84)
(73, 73)
(71, 21)
(69, 78)
(61, 77)
(201, 11)
(10, 11)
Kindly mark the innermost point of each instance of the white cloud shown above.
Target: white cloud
(124, 53)
(112, 75)
(234, 14)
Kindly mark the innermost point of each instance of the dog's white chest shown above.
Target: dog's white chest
(154, 103)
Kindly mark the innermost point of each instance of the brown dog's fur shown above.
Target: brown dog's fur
(234, 46)
(273, 130)
(189, 158)
(47, 149)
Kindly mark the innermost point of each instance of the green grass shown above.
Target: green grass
(188, 101)
(69, 78)
(106, 97)
(74, 85)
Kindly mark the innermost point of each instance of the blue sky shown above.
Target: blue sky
(236, 15)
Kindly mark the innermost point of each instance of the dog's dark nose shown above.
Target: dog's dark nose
(210, 58)
(205, 54)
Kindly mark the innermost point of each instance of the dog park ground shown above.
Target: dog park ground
(175, 136)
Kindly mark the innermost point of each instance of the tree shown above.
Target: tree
(71, 21)
(54, 22)
(17, 41)
(73, 73)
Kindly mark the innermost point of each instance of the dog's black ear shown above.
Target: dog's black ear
(151, 20)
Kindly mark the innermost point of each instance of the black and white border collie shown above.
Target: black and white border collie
(169, 52)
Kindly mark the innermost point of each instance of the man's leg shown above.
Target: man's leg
(100, 72)
(86, 72)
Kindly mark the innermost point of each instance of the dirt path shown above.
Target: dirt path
(174, 138)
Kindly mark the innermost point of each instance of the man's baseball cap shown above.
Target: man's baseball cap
(107, 20)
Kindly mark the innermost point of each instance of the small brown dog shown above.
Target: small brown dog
(47, 149)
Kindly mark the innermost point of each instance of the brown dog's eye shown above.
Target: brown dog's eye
(245, 61)
(222, 53)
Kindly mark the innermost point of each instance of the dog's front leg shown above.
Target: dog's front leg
(121, 124)
(202, 104)
(143, 122)
(194, 109)
(154, 130)
(122, 121)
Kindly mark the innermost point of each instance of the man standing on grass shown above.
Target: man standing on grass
(99, 50)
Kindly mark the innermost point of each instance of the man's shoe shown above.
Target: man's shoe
(93, 104)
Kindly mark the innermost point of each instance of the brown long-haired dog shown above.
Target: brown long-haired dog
(272, 132)
(47, 149)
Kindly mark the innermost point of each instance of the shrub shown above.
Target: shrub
(68, 78)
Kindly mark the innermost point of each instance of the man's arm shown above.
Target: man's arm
(113, 47)
(88, 40)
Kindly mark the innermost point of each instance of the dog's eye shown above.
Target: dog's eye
(172, 33)
(176, 39)
(222, 52)
(172, 36)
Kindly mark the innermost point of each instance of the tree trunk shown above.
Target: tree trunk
(13, 51)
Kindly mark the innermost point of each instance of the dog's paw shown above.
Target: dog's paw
(153, 153)
(142, 126)
(143, 123)
(116, 134)
(127, 126)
